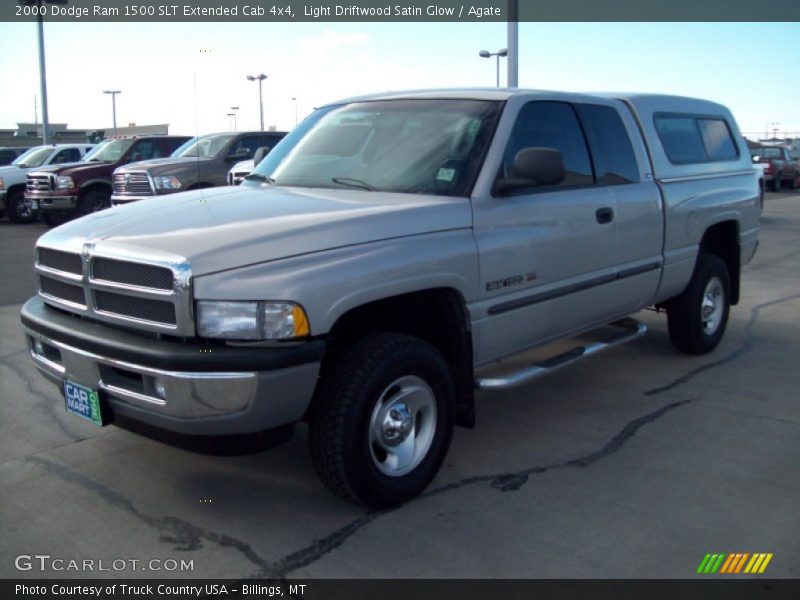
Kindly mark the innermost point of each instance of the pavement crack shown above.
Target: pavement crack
(746, 347)
(504, 482)
(183, 535)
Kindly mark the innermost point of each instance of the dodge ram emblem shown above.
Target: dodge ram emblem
(127, 182)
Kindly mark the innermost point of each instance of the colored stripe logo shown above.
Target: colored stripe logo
(737, 562)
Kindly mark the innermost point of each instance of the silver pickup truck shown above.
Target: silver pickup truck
(384, 255)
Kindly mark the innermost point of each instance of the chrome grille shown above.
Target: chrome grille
(63, 291)
(40, 183)
(61, 261)
(153, 295)
(157, 311)
(129, 273)
(132, 183)
(238, 177)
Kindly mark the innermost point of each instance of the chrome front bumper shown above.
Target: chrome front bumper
(197, 402)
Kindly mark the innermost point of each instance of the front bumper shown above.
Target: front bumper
(209, 390)
(52, 203)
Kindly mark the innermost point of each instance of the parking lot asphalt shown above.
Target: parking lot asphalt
(633, 464)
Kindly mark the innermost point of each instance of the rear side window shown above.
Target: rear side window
(694, 139)
(614, 159)
(551, 125)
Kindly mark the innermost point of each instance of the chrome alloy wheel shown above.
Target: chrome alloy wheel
(713, 306)
(402, 426)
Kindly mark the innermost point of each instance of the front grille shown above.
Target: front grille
(61, 290)
(40, 183)
(61, 261)
(158, 311)
(132, 183)
(238, 178)
(128, 273)
(157, 297)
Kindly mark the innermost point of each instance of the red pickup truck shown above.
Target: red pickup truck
(779, 166)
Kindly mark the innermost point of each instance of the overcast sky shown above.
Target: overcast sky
(190, 75)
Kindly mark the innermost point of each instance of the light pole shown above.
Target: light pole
(498, 54)
(113, 106)
(229, 121)
(259, 79)
(42, 70)
(234, 109)
(295, 111)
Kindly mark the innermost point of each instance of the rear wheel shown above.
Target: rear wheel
(19, 211)
(383, 420)
(697, 318)
(93, 201)
(776, 183)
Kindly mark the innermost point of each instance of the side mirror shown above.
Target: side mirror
(260, 154)
(533, 167)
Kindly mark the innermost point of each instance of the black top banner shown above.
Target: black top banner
(285, 11)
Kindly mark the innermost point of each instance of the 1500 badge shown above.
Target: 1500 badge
(499, 284)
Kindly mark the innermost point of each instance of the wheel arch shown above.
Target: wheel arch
(437, 315)
(722, 240)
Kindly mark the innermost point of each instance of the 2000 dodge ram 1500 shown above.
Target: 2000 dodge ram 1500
(385, 252)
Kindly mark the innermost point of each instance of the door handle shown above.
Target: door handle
(604, 215)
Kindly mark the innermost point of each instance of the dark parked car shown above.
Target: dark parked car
(202, 162)
(60, 193)
(9, 155)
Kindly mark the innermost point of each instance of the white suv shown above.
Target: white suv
(13, 176)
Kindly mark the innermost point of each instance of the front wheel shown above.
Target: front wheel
(697, 318)
(19, 211)
(93, 201)
(383, 419)
(54, 219)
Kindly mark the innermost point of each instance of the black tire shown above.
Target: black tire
(93, 201)
(689, 330)
(776, 182)
(19, 211)
(792, 183)
(54, 219)
(348, 400)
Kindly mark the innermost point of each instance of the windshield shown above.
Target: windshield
(406, 146)
(206, 146)
(109, 151)
(34, 157)
(90, 154)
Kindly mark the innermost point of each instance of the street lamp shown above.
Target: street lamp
(229, 121)
(498, 54)
(234, 109)
(113, 106)
(259, 79)
(42, 70)
(295, 111)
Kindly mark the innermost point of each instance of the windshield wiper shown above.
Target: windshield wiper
(259, 177)
(356, 183)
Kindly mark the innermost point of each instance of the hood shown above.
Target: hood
(84, 170)
(223, 228)
(159, 166)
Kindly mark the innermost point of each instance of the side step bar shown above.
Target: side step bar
(631, 329)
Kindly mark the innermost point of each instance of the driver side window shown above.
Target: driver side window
(551, 125)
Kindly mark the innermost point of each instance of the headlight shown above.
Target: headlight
(64, 183)
(251, 320)
(167, 183)
(2, 184)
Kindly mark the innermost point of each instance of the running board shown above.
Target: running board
(631, 329)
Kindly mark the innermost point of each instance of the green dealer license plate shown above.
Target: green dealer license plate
(83, 402)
